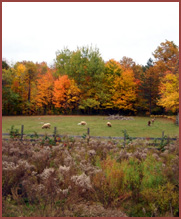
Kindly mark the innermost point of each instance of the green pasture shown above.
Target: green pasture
(97, 124)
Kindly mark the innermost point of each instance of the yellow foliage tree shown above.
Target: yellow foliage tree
(169, 91)
(113, 69)
(124, 91)
(73, 95)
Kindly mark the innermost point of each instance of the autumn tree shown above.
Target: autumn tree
(169, 92)
(166, 61)
(86, 67)
(66, 94)
(73, 96)
(139, 78)
(13, 80)
(124, 91)
(42, 68)
(18, 81)
(81, 65)
(121, 86)
(127, 62)
(167, 58)
(113, 69)
(25, 85)
(147, 79)
(151, 89)
(44, 96)
(30, 76)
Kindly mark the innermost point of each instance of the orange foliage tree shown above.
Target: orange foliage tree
(66, 93)
(44, 96)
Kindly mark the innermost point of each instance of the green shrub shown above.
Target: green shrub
(152, 173)
(14, 133)
(133, 174)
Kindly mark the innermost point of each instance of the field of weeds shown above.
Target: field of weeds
(81, 178)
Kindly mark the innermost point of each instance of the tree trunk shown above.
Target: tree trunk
(29, 91)
(45, 109)
(150, 103)
(177, 119)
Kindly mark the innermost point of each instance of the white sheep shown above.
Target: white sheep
(46, 125)
(109, 124)
(82, 123)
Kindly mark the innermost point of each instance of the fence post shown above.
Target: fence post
(22, 129)
(162, 134)
(124, 139)
(55, 132)
(88, 133)
(162, 140)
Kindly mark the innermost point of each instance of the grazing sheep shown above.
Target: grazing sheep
(109, 124)
(83, 123)
(149, 123)
(79, 123)
(46, 126)
(153, 120)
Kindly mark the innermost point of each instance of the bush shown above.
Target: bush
(108, 183)
(162, 200)
(14, 133)
(152, 173)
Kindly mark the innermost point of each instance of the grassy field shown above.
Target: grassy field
(97, 124)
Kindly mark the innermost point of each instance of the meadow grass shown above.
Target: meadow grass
(97, 124)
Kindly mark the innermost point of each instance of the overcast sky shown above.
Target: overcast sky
(35, 31)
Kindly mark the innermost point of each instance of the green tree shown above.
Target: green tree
(5, 65)
(86, 67)
(62, 62)
(10, 98)
(89, 104)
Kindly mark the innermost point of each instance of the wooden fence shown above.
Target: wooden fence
(56, 136)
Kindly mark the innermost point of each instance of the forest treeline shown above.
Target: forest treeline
(81, 82)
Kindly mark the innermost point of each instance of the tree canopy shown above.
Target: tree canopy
(80, 81)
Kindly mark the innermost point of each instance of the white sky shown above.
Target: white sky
(34, 31)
